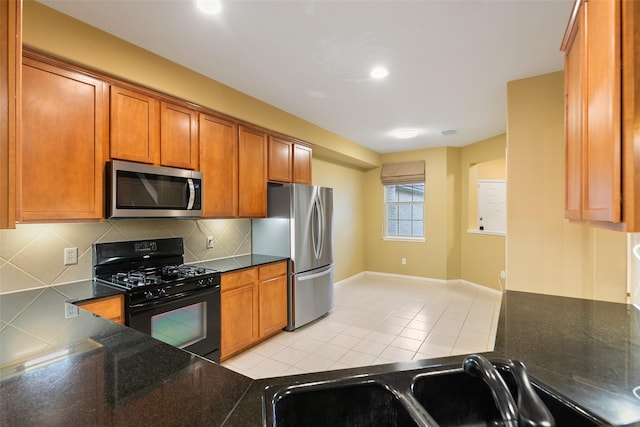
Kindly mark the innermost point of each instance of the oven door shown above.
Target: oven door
(190, 321)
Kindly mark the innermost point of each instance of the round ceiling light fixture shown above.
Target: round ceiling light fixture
(379, 73)
(210, 7)
(406, 133)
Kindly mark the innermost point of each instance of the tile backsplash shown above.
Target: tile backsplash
(32, 255)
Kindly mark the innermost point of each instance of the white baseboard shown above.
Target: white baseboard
(480, 287)
(420, 279)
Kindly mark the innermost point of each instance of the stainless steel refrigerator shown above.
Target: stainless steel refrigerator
(299, 226)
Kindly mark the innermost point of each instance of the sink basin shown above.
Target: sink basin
(454, 398)
(350, 402)
(437, 395)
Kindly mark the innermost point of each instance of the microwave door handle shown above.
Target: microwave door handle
(192, 194)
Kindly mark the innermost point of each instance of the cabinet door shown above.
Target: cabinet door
(574, 117)
(301, 164)
(280, 160)
(10, 71)
(135, 126)
(64, 136)
(238, 311)
(178, 136)
(252, 173)
(219, 166)
(273, 298)
(601, 151)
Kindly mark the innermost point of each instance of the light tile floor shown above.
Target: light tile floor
(380, 319)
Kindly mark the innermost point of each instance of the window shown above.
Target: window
(404, 210)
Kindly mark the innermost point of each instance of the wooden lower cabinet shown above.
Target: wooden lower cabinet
(111, 308)
(238, 311)
(273, 298)
(253, 306)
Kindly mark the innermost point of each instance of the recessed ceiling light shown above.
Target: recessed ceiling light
(211, 7)
(379, 73)
(406, 133)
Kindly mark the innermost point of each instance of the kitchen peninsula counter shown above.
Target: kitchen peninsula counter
(89, 371)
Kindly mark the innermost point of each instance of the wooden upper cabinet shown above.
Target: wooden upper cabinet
(219, 166)
(593, 113)
(178, 136)
(135, 126)
(301, 164)
(601, 149)
(64, 142)
(574, 117)
(289, 161)
(10, 72)
(280, 159)
(252, 173)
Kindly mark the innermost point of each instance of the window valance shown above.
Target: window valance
(402, 173)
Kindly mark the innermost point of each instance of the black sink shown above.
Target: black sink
(350, 402)
(454, 398)
(437, 395)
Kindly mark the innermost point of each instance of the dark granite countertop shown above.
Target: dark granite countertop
(87, 370)
(236, 263)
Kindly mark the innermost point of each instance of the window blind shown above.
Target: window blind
(402, 173)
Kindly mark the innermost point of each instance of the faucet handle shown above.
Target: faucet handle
(478, 366)
(531, 410)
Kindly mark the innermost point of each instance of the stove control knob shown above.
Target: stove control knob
(148, 294)
(200, 283)
(162, 292)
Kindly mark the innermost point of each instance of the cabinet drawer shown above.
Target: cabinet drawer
(109, 308)
(238, 279)
(271, 271)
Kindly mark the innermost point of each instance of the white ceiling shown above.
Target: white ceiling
(449, 60)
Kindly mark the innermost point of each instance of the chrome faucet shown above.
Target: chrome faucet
(530, 410)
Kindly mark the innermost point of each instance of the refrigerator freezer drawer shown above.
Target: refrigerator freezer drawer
(310, 296)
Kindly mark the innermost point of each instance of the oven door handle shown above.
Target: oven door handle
(137, 308)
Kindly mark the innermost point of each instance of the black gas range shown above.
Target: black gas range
(173, 302)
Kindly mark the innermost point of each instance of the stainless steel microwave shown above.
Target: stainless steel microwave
(136, 190)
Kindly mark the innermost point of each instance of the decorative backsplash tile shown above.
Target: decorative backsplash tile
(32, 255)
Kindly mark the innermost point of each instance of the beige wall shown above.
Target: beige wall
(482, 255)
(545, 253)
(430, 258)
(52, 32)
(348, 202)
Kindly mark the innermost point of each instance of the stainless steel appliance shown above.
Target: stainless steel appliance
(174, 303)
(136, 190)
(299, 226)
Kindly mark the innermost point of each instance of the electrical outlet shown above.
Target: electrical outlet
(503, 274)
(70, 310)
(209, 242)
(70, 256)
(404, 261)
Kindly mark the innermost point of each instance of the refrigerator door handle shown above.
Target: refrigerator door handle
(315, 275)
(317, 231)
